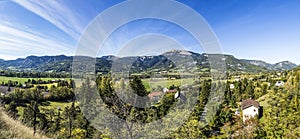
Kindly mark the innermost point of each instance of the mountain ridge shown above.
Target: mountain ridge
(63, 63)
(283, 65)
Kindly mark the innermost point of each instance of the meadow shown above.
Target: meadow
(23, 80)
(155, 82)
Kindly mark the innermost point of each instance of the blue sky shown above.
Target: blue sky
(266, 30)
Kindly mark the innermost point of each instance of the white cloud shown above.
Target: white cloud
(56, 13)
(20, 41)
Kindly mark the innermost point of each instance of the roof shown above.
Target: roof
(248, 103)
(154, 94)
(172, 91)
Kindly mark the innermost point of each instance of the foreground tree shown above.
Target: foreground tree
(70, 114)
(31, 111)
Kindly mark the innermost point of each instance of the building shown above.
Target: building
(279, 83)
(237, 78)
(231, 86)
(180, 96)
(155, 96)
(250, 109)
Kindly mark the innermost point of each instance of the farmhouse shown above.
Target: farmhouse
(231, 86)
(250, 109)
(155, 96)
(237, 78)
(279, 83)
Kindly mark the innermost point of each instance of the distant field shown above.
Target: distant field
(23, 80)
(153, 83)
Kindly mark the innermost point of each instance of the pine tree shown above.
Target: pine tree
(70, 114)
(33, 108)
(139, 89)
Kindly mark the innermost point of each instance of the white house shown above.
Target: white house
(231, 86)
(165, 90)
(250, 109)
(279, 83)
(237, 78)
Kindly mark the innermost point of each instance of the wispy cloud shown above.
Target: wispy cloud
(57, 13)
(20, 41)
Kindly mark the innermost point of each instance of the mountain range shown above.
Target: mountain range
(62, 63)
(284, 65)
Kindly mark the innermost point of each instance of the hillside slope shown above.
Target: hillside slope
(11, 128)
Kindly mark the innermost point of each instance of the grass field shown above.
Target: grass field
(153, 83)
(23, 80)
(55, 105)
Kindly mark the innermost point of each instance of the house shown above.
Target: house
(155, 96)
(250, 109)
(279, 83)
(231, 86)
(166, 90)
(172, 91)
(237, 78)
(180, 96)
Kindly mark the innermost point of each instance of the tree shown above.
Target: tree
(138, 87)
(249, 91)
(70, 114)
(32, 112)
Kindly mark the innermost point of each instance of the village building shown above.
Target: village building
(237, 78)
(250, 109)
(279, 83)
(231, 86)
(155, 96)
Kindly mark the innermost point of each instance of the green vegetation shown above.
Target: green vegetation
(52, 110)
(165, 82)
(5, 80)
(11, 128)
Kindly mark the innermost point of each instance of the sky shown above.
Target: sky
(266, 30)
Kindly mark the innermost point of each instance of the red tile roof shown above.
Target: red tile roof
(153, 94)
(172, 91)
